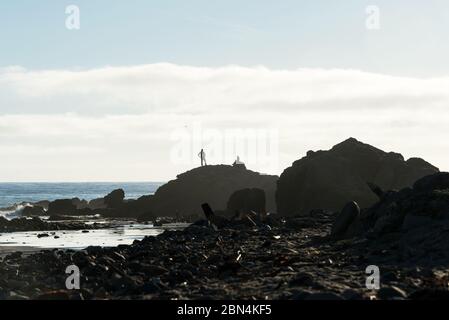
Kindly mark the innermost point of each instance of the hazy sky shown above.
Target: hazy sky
(109, 102)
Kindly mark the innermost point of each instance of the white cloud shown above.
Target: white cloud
(115, 123)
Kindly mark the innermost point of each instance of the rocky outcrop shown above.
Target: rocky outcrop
(426, 205)
(30, 211)
(62, 207)
(80, 204)
(212, 184)
(350, 171)
(114, 199)
(97, 204)
(405, 228)
(247, 200)
(112, 205)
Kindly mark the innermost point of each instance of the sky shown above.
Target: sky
(142, 86)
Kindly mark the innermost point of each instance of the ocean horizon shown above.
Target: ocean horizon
(14, 193)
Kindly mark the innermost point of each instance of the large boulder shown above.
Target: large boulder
(30, 211)
(62, 207)
(114, 199)
(140, 208)
(80, 204)
(247, 200)
(330, 179)
(212, 184)
(97, 204)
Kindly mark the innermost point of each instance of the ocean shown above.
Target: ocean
(13, 194)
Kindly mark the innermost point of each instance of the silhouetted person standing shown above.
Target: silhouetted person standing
(202, 155)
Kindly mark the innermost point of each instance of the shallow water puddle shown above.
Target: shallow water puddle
(111, 237)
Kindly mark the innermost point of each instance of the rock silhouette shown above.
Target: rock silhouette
(350, 171)
(426, 204)
(30, 211)
(114, 199)
(347, 217)
(182, 197)
(62, 207)
(211, 184)
(247, 200)
(408, 227)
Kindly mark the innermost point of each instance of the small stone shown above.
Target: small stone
(43, 235)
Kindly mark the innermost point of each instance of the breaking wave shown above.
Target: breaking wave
(14, 211)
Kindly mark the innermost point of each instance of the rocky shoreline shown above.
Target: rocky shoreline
(292, 258)
(392, 215)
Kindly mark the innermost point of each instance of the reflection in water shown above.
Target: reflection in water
(112, 237)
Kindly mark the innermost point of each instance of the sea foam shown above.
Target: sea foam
(15, 211)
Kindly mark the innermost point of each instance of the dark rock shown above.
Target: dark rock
(114, 199)
(413, 221)
(97, 204)
(330, 179)
(349, 214)
(376, 189)
(62, 207)
(81, 259)
(208, 211)
(438, 181)
(147, 216)
(112, 213)
(247, 200)
(140, 208)
(407, 210)
(217, 221)
(212, 184)
(44, 204)
(43, 235)
(60, 218)
(33, 211)
(80, 204)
